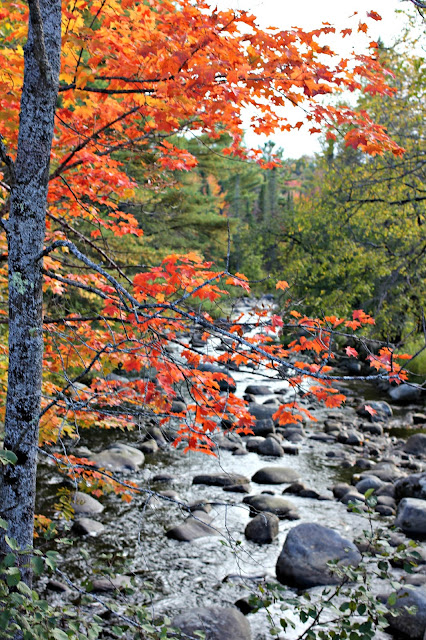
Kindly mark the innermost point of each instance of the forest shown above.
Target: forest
(212, 355)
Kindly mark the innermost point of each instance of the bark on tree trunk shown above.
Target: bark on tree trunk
(26, 232)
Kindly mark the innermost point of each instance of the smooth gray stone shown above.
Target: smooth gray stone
(218, 623)
(305, 554)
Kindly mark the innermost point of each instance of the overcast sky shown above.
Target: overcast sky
(309, 14)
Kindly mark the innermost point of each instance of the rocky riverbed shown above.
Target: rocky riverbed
(270, 506)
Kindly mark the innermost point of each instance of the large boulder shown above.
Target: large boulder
(382, 409)
(263, 427)
(411, 516)
(413, 486)
(263, 529)
(119, 458)
(411, 625)
(405, 393)
(88, 527)
(220, 479)
(271, 504)
(270, 447)
(83, 503)
(416, 444)
(261, 411)
(258, 390)
(305, 554)
(275, 475)
(217, 623)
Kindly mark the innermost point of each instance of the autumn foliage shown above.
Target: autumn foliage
(133, 75)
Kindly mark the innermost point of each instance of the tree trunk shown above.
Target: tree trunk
(26, 232)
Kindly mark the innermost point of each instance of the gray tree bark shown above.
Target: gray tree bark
(26, 232)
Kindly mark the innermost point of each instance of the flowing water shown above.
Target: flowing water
(210, 570)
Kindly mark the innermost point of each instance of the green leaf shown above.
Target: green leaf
(37, 565)
(59, 635)
(392, 599)
(3, 524)
(8, 457)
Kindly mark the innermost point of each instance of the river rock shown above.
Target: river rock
(413, 486)
(149, 447)
(253, 442)
(261, 411)
(217, 623)
(193, 528)
(220, 479)
(405, 393)
(263, 427)
(271, 504)
(119, 583)
(299, 489)
(369, 482)
(353, 438)
(416, 444)
(340, 489)
(383, 411)
(119, 458)
(411, 516)
(263, 529)
(270, 447)
(353, 496)
(238, 488)
(83, 503)
(411, 625)
(386, 471)
(258, 390)
(275, 475)
(305, 554)
(88, 527)
(178, 407)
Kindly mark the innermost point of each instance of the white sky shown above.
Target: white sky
(309, 14)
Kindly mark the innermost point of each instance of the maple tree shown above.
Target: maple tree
(102, 77)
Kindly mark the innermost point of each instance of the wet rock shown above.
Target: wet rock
(238, 488)
(384, 510)
(258, 390)
(419, 418)
(119, 583)
(119, 458)
(243, 605)
(353, 438)
(261, 412)
(252, 443)
(149, 447)
(220, 479)
(178, 407)
(170, 493)
(271, 504)
(270, 447)
(387, 489)
(263, 427)
(200, 506)
(156, 434)
(227, 444)
(163, 477)
(340, 489)
(413, 486)
(299, 489)
(416, 444)
(305, 554)
(383, 411)
(411, 516)
(218, 623)
(88, 527)
(369, 482)
(364, 463)
(386, 471)
(275, 475)
(83, 503)
(353, 496)
(57, 586)
(290, 449)
(193, 528)
(263, 529)
(405, 393)
(374, 428)
(409, 624)
(272, 402)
